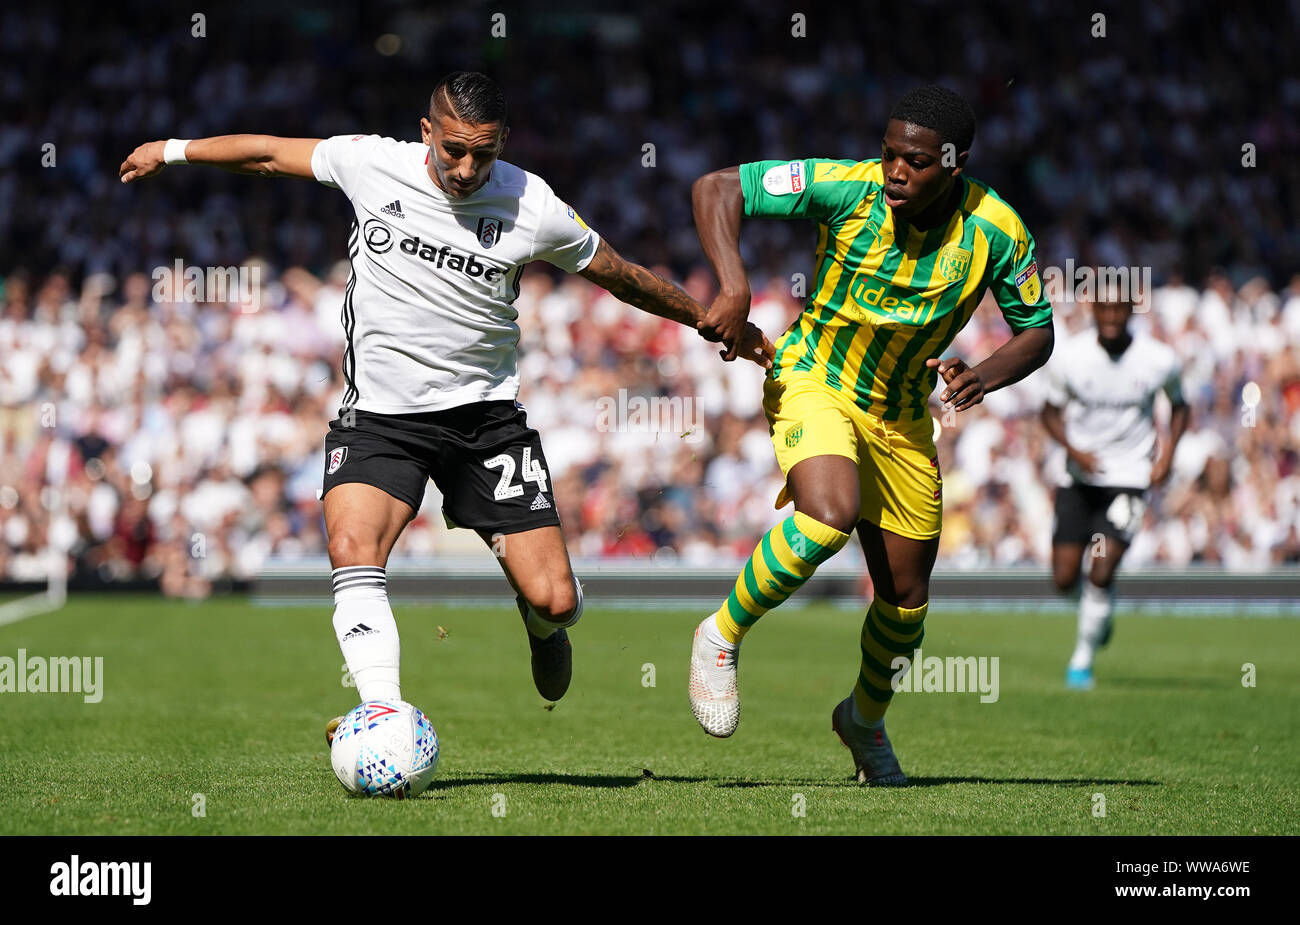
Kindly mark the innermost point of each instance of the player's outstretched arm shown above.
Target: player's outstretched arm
(634, 284)
(1013, 361)
(718, 204)
(260, 155)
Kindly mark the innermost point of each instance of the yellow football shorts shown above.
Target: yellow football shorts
(899, 483)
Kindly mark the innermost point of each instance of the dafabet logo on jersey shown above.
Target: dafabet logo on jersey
(444, 256)
(379, 239)
(377, 236)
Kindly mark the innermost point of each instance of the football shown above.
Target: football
(385, 748)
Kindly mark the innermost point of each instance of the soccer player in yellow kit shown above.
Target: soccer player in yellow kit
(907, 244)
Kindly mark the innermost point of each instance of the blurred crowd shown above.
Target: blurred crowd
(181, 442)
(1163, 135)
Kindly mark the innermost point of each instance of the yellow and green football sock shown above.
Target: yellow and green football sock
(783, 561)
(888, 633)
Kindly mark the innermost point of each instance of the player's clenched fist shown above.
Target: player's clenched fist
(965, 387)
(144, 161)
(725, 322)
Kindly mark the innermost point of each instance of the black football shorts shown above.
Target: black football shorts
(1083, 511)
(484, 458)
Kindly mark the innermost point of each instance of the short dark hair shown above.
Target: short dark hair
(940, 109)
(469, 96)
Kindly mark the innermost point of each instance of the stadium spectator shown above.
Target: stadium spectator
(183, 438)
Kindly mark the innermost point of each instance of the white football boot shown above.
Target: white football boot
(713, 689)
(873, 755)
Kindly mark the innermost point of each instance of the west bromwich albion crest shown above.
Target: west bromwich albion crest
(489, 231)
(954, 261)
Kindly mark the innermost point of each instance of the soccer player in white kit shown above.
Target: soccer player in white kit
(442, 233)
(1101, 390)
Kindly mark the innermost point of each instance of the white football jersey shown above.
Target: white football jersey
(427, 312)
(1109, 404)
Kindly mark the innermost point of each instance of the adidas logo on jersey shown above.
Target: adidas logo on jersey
(359, 630)
(394, 209)
(539, 503)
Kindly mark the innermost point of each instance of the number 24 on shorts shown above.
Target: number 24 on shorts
(533, 472)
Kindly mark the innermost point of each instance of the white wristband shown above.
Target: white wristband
(174, 151)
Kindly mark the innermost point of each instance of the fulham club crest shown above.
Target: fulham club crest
(489, 229)
(336, 459)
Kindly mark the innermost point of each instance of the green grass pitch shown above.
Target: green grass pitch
(229, 700)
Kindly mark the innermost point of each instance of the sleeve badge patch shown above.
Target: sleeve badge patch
(577, 218)
(784, 179)
(1029, 285)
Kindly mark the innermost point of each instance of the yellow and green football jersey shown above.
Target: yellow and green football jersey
(886, 296)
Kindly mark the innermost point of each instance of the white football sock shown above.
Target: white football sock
(1095, 607)
(713, 636)
(367, 632)
(543, 628)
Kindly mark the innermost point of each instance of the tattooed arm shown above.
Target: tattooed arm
(634, 284)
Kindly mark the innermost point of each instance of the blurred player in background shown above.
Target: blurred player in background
(906, 247)
(443, 230)
(1101, 389)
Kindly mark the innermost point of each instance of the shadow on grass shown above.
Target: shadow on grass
(620, 781)
(943, 781)
(1141, 683)
(1033, 781)
(572, 780)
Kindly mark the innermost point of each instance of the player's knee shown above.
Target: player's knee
(347, 548)
(1102, 576)
(839, 514)
(911, 594)
(564, 601)
(554, 601)
(1064, 582)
